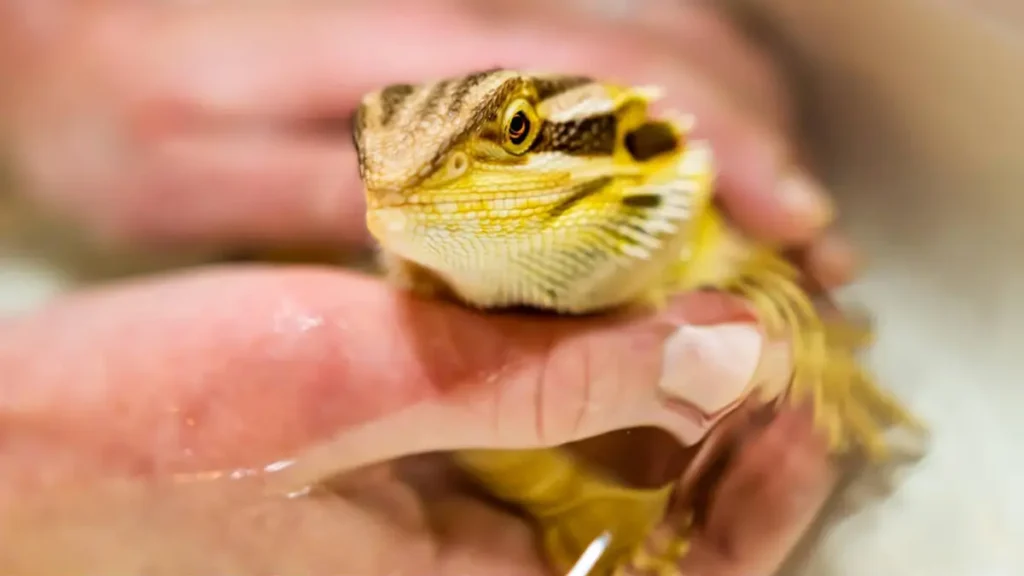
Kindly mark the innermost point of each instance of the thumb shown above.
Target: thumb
(321, 371)
(522, 382)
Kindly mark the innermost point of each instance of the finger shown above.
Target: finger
(831, 261)
(223, 370)
(745, 71)
(770, 496)
(251, 188)
(266, 63)
(229, 527)
(479, 538)
(702, 36)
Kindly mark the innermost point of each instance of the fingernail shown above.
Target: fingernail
(805, 198)
(709, 367)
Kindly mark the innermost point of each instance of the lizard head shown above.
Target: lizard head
(499, 131)
(500, 158)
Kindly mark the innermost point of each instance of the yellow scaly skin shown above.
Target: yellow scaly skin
(504, 189)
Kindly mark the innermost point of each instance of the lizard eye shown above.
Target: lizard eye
(520, 127)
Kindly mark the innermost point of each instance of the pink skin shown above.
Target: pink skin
(167, 377)
(191, 115)
(215, 347)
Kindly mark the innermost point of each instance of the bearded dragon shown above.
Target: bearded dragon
(557, 192)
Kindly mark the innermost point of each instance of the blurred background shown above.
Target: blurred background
(914, 110)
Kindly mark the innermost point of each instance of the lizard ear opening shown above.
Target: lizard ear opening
(519, 127)
(652, 139)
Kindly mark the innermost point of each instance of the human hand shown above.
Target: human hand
(150, 427)
(246, 368)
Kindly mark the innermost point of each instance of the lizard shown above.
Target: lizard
(505, 189)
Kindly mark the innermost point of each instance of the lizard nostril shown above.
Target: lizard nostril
(650, 140)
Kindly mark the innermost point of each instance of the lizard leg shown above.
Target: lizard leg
(573, 505)
(846, 400)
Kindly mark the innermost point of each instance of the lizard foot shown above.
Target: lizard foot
(846, 400)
